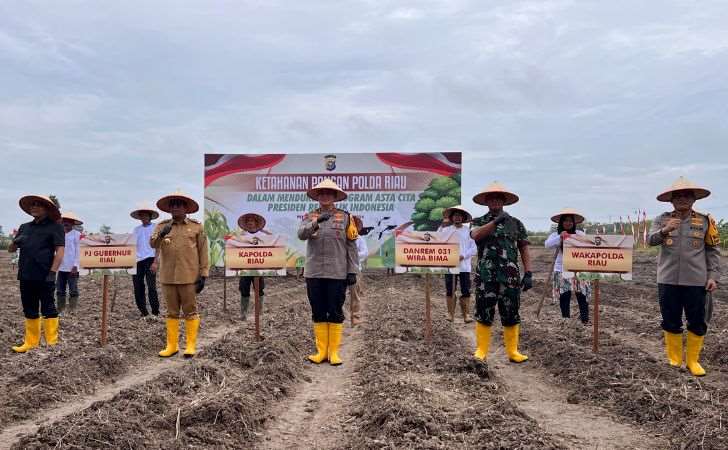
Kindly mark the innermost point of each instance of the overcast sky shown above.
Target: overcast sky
(596, 105)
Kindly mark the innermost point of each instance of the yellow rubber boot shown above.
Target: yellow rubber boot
(50, 330)
(482, 341)
(692, 353)
(191, 328)
(321, 333)
(674, 348)
(32, 336)
(335, 331)
(172, 339)
(510, 338)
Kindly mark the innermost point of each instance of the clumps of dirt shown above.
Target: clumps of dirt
(631, 383)
(411, 395)
(222, 398)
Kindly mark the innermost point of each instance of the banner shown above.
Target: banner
(259, 254)
(388, 191)
(108, 251)
(599, 253)
(427, 251)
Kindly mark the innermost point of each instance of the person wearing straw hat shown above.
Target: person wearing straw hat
(457, 217)
(146, 261)
(252, 224)
(564, 283)
(183, 268)
(500, 238)
(331, 266)
(68, 270)
(357, 290)
(688, 271)
(41, 243)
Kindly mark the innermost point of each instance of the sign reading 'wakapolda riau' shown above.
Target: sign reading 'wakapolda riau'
(599, 253)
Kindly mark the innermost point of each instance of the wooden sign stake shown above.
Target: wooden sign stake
(224, 289)
(256, 286)
(595, 343)
(428, 311)
(104, 307)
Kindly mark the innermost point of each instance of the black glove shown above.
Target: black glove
(502, 217)
(323, 217)
(18, 240)
(350, 279)
(51, 277)
(200, 285)
(527, 282)
(165, 230)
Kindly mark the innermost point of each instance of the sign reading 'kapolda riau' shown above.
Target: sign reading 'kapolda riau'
(598, 253)
(245, 251)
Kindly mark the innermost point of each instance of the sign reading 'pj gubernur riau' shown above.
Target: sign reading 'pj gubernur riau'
(107, 251)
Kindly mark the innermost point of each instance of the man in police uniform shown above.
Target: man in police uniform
(183, 268)
(500, 239)
(687, 269)
(41, 243)
(331, 265)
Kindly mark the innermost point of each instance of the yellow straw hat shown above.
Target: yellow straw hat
(329, 184)
(72, 217)
(578, 217)
(495, 188)
(259, 221)
(144, 207)
(53, 212)
(447, 214)
(683, 184)
(192, 206)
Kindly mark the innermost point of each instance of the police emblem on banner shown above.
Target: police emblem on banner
(330, 162)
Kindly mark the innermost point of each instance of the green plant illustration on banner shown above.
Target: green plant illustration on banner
(216, 228)
(442, 193)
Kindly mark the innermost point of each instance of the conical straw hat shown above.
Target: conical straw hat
(683, 184)
(68, 215)
(192, 206)
(578, 217)
(467, 217)
(144, 207)
(495, 188)
(27, 200)
(327, 184)
(259, 221)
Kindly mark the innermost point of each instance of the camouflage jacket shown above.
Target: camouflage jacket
(498, 253)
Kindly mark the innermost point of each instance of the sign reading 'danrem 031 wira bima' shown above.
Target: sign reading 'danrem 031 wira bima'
(256, 254)
(107, 251)
(388, 191)
(599, 253)
(427, 251)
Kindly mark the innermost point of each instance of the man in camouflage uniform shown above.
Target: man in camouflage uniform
(500, 239)
(687, 269)
(183, 268)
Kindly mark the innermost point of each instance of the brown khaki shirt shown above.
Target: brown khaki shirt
(182, 253)
(688, 257)
(329, 253)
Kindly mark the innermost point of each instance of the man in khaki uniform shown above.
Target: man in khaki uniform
(687, 268)
(183, 268)
(331, 265)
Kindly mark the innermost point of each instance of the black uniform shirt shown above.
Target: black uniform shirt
(38, 248)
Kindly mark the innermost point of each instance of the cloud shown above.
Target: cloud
(595, 105)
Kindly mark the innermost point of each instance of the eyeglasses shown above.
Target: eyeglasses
(683, 194)
(177, 202)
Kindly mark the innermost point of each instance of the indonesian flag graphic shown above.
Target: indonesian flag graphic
(446, 164)
(217, 166)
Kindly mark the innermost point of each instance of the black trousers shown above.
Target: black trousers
(326, 297)
(144, 274)
(674, 300)
(37, 298)
(245, 284)
(67, 279)
(463, 279)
